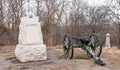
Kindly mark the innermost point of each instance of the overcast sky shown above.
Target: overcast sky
(89, 2)
(97, 2)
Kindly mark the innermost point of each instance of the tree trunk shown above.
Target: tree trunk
(1, 12)
(119, 35)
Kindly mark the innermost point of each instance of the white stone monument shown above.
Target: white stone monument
(108, 45)
(30, 47)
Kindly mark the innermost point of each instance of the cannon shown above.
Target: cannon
(92, 45)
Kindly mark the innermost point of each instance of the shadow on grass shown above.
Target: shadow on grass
(82, 57)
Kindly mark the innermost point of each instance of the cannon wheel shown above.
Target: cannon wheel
(96, 43)
(68, 47)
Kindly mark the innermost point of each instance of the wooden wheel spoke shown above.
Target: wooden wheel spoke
(68, 48)
(96, 44)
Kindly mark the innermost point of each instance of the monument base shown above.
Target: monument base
(26, 53)
(108, 45)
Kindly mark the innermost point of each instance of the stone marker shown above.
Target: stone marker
(30, 47)
(108, 45)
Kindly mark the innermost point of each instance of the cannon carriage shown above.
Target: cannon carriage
(92, 45)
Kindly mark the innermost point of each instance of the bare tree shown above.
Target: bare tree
(115, 17)
(1, 12)
(52, 14)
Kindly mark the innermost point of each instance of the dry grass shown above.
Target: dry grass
(80, 54)
(7, 51)
(54, 61)
(6, 54)
(112, 54)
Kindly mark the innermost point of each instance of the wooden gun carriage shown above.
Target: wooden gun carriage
(92, 45)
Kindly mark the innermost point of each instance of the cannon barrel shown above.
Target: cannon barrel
(84, 40)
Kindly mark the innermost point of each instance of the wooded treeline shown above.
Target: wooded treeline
(59, 17)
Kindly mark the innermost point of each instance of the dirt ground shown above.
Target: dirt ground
(55, 60)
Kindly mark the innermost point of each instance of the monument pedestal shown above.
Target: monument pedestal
(30, 47)
(26, 53)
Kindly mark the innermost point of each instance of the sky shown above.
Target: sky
(97, 2)
(93, 3)
(90, 2)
